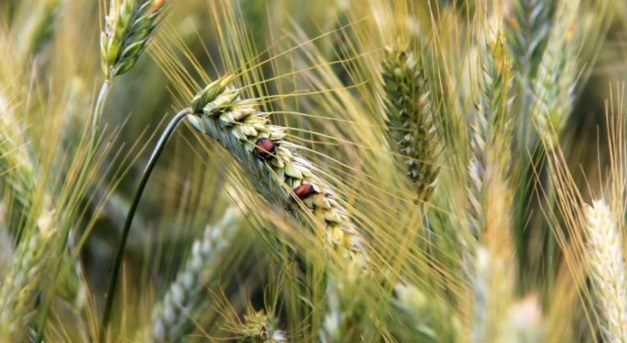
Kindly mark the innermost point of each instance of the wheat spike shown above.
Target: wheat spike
(555, 81)
(37, 230)
(22, 283)
(526, 29)
(260, 327)
(129, 27)
(490, 129)
(411, 118)
(170, 318)
(237, 125)
(607, 270)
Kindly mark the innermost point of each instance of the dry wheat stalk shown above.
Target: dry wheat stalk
(239, 126)
(128, 29)
(184, 297)
(411, 121)
(607, 270)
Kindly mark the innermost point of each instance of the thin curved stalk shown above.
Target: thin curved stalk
(110, 295)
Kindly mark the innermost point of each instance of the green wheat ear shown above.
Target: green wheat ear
(129, 27)
(411, 120)
(171, 320)
(237, 125)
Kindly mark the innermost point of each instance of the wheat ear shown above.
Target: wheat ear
(260, 327)
(491, 126)
(279, 174)
(489, 193)
(526, 29)
(129, 27)
(411, 120)
(38, 231)
(607, 270)
(555, 80)
(22, 283)
(185, 295)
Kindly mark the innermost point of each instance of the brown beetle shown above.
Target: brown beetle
(264, 149)
(302, 191)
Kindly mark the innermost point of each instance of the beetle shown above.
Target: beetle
(302, 192)
(264, 149)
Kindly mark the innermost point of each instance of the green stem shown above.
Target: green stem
(110, 295)
(94, 134)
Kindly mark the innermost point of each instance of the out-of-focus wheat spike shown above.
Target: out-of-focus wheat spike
(261, 327)
(39, 19)
(490, 194)
(607, 270)
(555, 80)
(170, 318)
(23, 281)
(526, 29)
(491, 131)
(411, 120)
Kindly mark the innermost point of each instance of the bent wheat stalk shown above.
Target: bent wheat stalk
(202, 98)
(117, 263)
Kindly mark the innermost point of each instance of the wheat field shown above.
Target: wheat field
(321, 171)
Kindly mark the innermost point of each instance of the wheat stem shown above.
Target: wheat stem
(152, 162)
